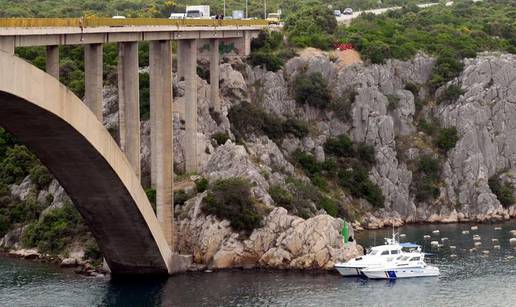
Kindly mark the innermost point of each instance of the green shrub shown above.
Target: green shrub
(412, 87)
(151, 195)
(16, 165)
(247, 119)
(342, 105)
(180, 197)
(55, 230)
(503, 191)
(201, 185)
(425, 183)
(281, 197)
(341, 146)
(451, 93)
(356, 181)
(329, 206)
(220, 137)
(92, 252)
(447, 138)
(268, 59)
(40, 176)
(296, 127)
(312, 90)
(366, 153)
(231, 199)
(307, 162)
(393, 102)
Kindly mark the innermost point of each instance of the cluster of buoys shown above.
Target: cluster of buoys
(465, 232)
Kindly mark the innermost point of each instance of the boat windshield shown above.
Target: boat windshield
(373, 252)
(415, 259)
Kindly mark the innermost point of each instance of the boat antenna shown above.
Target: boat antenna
(374, 238)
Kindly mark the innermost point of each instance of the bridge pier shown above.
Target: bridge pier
(93, 78)
(7, 44)
(162, 154)
(189, 60)
(214, 75)
(52, 64)
(129, 103)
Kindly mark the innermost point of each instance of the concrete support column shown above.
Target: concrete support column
(180, 65)
(162, 153)
(52, 65)
(189, 59)
(93, 78)
(7, 44)
(129, 103)
(214, 74)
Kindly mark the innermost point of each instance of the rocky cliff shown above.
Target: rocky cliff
(387, 107)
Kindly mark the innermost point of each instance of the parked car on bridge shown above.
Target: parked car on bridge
(177, 16)
(337, 13)
(198, 12)
(348, 11)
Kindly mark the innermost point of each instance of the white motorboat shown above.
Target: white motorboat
(404, 266)
(377, 256)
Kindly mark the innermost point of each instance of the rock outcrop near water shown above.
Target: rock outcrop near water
(385, 108)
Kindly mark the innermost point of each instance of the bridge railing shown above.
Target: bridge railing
(123, 22)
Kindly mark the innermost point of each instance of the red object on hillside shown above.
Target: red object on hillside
(343, 47)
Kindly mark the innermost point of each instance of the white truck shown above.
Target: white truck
(198, 12)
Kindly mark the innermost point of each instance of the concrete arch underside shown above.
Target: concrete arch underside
(54, 124)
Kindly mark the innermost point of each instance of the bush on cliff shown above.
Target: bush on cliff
(356, 181)
(447, 138)
(425, 184)
(55, 230)
(231, 199)
(16, 165)
(502, 190)
(247, 118)
(312, 89)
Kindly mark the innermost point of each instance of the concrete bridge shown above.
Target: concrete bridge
(67, 134)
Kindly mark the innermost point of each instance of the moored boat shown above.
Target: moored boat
(405, 266)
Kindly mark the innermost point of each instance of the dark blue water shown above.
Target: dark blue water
(470, 279)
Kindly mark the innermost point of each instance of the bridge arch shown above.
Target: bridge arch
(67, 137)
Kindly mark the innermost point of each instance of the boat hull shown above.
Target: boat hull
(401, 273)
(348, 271)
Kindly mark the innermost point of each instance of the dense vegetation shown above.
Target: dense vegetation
(449, 32)
(502, 190)
(247, 119)
(163, 8)
(231, 199)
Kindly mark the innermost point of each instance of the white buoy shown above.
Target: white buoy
(476, 238)
(426, 237)
(496, 246)
(494, 241)
(474, 227)
(434, 243)
(436, 232)
(478, 244)
(512, 241)
(498, 228)
(453, 256)
(510, 257)
(453, 247)
(444, 239)
(486, 252)
(513, 233)
(465, 232)
(471, 250)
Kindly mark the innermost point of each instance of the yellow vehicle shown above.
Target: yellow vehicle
(274, 18)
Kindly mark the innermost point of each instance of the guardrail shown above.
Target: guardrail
(123, 22)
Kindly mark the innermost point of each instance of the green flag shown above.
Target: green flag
(345, 232)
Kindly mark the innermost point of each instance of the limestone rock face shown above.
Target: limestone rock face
(284, 241)
(485, 118)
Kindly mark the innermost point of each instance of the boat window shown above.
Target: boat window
(399, 257)
(385, 253)
(415, 259)
(395, 252)
(373, 253)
